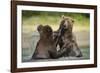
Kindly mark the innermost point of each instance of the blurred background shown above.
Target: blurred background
(30, 36)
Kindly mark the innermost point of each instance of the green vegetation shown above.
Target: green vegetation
(30, 19)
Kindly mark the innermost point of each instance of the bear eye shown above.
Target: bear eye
(72, 21)
(49, 30)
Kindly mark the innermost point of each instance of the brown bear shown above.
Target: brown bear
(46, 46)
(67, 39)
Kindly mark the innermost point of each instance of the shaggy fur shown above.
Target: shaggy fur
(67, 39)
(46, 46)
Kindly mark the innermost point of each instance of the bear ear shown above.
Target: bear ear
(40, 27)
(62, 16)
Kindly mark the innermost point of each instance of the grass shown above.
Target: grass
(31, 19)
(30, 23)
